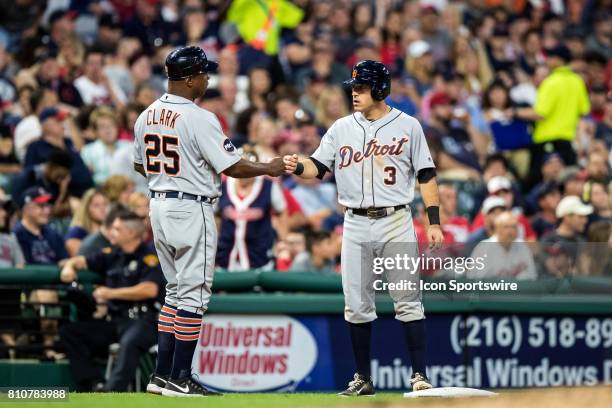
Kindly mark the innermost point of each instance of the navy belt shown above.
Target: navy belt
(376, 212)
(182, 196)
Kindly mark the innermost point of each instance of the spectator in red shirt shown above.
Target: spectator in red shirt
(128, 118)
(453, 224)
(598, 102)
(391, 34)
(286, 250)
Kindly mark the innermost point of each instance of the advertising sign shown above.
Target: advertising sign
(313, 353)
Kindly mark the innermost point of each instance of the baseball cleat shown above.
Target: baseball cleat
(361, 386)
(156, 384)
(419, 382)
(187, 387)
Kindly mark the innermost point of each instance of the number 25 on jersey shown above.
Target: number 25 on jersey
(162, 150)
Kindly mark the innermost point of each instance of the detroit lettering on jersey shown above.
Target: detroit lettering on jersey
(373, 148)
(375, 163)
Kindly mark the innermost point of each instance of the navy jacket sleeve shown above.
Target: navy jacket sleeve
(99, 261)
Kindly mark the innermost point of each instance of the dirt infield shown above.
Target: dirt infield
(591, 397)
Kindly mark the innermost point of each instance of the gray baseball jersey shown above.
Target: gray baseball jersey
(375, 163)
(183, 149)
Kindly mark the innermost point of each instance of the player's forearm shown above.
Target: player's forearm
(247, 169)
(310, 169)
(429, 192)
(431, 199)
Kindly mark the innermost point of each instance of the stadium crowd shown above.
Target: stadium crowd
(514, 97)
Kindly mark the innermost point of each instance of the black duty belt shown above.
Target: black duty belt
(376, 212)
(136, 312)
(182, 196)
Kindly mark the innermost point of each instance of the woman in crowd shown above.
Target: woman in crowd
(266, 136)
(391, 34)
(331, 107)
(599, 195)
(259, 87)
(509, 131)
(87, 219)
(99, 155)
(596, 258)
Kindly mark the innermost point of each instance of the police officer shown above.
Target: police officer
(133, 279)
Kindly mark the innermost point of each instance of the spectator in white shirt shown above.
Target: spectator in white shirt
(504, 255)
(94, 86)
(100, 155)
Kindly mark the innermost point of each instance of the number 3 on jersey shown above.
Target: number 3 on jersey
(390, 178)
(165, 146)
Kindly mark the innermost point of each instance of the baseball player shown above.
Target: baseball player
(181, 150)
(376, 154)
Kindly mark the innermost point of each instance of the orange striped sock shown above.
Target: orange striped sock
(165, 340)
(186, 334)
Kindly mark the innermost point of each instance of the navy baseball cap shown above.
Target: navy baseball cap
(52, 113)
(36, 195)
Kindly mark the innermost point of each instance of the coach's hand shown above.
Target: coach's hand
(291, 162)
(276, 167)
(435, 237)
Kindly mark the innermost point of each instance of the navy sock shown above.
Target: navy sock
(186, 334)
(360, 338)
(165, 340)
(416, 341)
